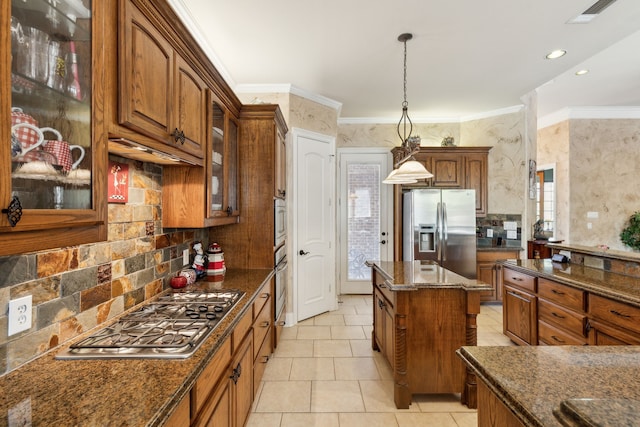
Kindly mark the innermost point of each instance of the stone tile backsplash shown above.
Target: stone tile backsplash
(490, 231)
(77, 288)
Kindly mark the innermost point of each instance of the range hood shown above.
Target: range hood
(132, 150)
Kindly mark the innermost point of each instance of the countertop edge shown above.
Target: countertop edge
(525, 416)
(589, 287)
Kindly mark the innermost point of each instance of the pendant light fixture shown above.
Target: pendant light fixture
(406, 169)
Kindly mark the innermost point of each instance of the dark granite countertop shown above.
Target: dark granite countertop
(132, 392)
(597, 412)
(413, 275)
(611, 285)
(533, 381)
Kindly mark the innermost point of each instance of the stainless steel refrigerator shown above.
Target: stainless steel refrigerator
(440, 225)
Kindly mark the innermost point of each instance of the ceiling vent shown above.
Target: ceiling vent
(593, 11)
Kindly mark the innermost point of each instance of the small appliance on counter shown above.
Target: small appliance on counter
(215, 266)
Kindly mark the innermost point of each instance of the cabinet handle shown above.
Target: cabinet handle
(617, 313)
(281, 323)
(236, 374)
(265, 324)
(513, 294)
(517, 279)
(265, 295)
(557, 339)
(265, 359)
(281, 193)
(178, 135)
(557, 315)
(13, 211)
(381, 303)
(229, 210)
(557, 292)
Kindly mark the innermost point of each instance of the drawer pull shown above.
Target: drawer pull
(265, 296)
(557, 339)
(559, 316)
(513, 294)
(264, 324)
(381, 304)
(265, 359)
(557, 292)
(280, 323)
(617, 313)
(517, 279)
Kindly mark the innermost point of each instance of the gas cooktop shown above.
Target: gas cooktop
(172, 326)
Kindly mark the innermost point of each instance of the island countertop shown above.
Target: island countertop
(100, 392)
(413, 275)
(536, 381)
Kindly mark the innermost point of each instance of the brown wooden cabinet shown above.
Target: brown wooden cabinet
(251, 243)
(490, 272)
(538, 249)
(161, 94)
(612, 322)
(263, 331)
(197, 197)
(561, 314)
(418, 331)
(520, 316)
(58, 209)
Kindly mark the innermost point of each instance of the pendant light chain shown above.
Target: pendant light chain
(405, 115)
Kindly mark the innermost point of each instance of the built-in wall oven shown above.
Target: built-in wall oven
(280, 265)
(281, 281)
(280, 212)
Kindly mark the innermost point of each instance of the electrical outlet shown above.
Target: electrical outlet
(19, 315)
(185, 257)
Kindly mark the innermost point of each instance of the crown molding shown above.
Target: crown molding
(291, 89)
(576, 113)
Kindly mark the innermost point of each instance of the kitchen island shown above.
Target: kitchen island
(131, 392)
(556, 385)
(422, 314)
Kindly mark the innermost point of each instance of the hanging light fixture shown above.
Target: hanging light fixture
(406, 169)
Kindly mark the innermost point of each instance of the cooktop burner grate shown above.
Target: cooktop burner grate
(172, 326)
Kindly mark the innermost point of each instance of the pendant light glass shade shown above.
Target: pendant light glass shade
(413, 169)
(408, 169)
(394, 179)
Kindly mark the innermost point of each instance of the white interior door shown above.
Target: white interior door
(313, 223)
(365, 212)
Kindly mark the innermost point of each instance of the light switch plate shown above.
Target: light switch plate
(512, 234)
(489, 232)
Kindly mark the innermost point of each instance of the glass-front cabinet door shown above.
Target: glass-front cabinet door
(223, 163)
(52, 150)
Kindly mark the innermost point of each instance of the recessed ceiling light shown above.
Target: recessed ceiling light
(581, 72)
(556, 54)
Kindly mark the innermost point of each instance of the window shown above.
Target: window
(545, 203)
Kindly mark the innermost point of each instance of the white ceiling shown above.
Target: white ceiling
(467, 57)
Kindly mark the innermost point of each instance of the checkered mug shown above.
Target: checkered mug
(61, 150)
(36, 137)
(27, 135)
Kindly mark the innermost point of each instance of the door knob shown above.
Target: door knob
(302, 252)
(383, 241)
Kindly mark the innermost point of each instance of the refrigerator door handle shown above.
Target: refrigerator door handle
(438, 232)
(445, 231)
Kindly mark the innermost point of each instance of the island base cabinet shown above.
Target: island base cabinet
(492, 412)
(520, 316)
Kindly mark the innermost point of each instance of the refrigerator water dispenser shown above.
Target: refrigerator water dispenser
(427, 238)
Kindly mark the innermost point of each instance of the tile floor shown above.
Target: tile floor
(325, 374)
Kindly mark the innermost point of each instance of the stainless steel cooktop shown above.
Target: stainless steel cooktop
(172, 326)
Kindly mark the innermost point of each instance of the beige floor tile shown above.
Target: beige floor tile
(356, 368)
(465, 419)
(346, 309)
(329, 319)
(367, 420)
(432, 419)
(277, 369)
(314, 332)
(378, 397)
(264, 419)
(358, 319)
(336, 396)
(364, 309)
(295, 348)
(289, 333)
(361, 348)
(313, 368)
(310, 420)
(305, 322)
(354, 299)
(347, 333)
(440, 403)
(384, 368)
(285, 396)
(331, 348)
